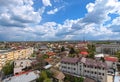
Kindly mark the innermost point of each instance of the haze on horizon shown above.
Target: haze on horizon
(51, 20)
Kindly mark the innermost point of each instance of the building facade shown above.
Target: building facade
(85, 67)
(108, 48)
(14, 55)
(21, 65)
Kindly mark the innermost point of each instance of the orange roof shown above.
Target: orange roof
(50, 53)
(84, 53)
(48, 60)
(113, 59)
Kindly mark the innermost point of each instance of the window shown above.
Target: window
(99, 73)
(103, 74)
(95, 72)
(88, 71)
(92, 72)
(74, 69)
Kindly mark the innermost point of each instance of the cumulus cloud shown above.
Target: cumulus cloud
(46, 3)
(20, 13)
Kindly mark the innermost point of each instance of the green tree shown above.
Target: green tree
(117, 54)
(72, 51)
(91, 50)
(45, 76)
(8, 68)
(62, 49)
(47, 80)
(49, 73)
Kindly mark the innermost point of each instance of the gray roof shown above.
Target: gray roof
(93, 62)
(70, 60)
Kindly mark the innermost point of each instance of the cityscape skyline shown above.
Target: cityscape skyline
(54, 20)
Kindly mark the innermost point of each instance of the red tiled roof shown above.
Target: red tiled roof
(50, 53)
(84, 53)
(113, 59)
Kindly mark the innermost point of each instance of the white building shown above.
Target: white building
(85, 67)
(108, 48)
(19, 65)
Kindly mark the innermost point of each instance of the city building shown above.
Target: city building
(94, 69)
(9, 55)
(108, 48)
(21, 65)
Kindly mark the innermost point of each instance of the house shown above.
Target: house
(84, 53)
(57, 75)
(111, 63)
(94, 69)
(21, 65)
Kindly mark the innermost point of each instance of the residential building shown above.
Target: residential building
(58, 76)
(94, 69)
(14, 55)
(108, 48)
(20, 65)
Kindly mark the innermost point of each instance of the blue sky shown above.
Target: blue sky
(46, 20)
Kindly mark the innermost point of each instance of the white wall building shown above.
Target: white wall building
(85, 67)
(110, 48)
(19, 65)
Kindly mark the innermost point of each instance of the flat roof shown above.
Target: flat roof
(48, 66)
(27, 77)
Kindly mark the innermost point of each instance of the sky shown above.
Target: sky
(53, 20)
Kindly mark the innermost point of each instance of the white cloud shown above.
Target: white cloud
(21, 14)
(90, 7)
(46, 3)
(18, 13)
(54, 10)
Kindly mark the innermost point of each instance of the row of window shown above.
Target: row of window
(94, 67)
(68, 67)
(94, 72)
(68, 63)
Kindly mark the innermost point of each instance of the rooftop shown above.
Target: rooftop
(70, 60)
(26, 77)
(112, 59)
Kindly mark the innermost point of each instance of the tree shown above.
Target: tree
(91, 50)
(102, 59)
(47, 80)
(44, 77)
(8, 68)
(117, 54)
(70, 78)
(62, 49)
(72, 51)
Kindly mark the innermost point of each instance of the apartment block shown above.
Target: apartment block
(108, 48)
(14, 55)
(85, 67)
